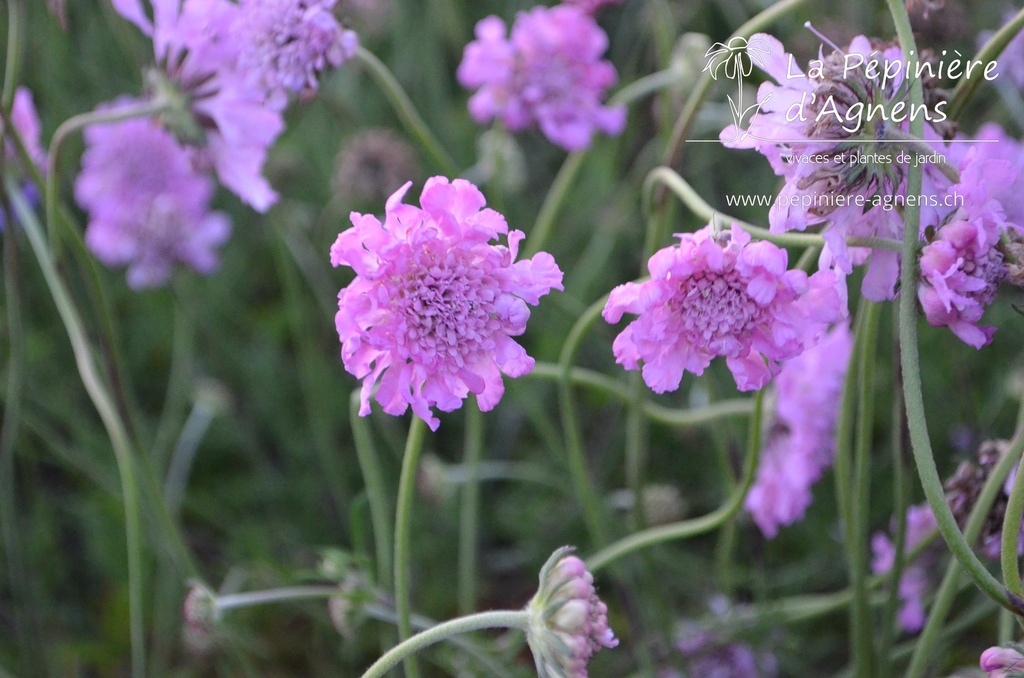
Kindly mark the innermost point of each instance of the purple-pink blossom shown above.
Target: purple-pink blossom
(962, 266)
(148, 207)
(26, 123)
(914, 580)
(568, 621)
(548, 72)
(285, 44)
(719, 294)
(800, 444)
(433, 308)
(1002, 662)
(198, 59)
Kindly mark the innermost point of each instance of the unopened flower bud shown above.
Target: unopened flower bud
(568, 622)
(1002, 662)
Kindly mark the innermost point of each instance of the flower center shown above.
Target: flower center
(446, 307)
(715, 309)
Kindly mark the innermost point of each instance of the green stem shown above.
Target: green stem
(403, 534)
(407, 112)
(923, 652)
(108, 414)
(286, 594)
(380, 514)
(695, 526)
(469, 508)
(504, 619)
(859, 513)
(921, 147)
(1009, 559)
(990, 50)
(538, 235)
(15, 31)
(593, 513)
(911, 361)
(845, 492)
(700, 91)
(696, 204)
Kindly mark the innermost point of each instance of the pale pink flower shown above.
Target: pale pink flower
(26, 123)
(1002, 662)
(800, 444)
(914, 581)
(568, 622)
(285, 44)
(719, 294)
(549, 72)
(148, 207)
(197, 58)
(433, 308)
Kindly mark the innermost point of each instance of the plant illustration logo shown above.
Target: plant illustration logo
(736, 60)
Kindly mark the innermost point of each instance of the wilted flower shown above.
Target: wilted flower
(285, 44)
(801, 441)
(718, 294)
(200, 614)
(964, 488)
(372, 164)
(914, 579)
(148, 208)
(433, 308)
(211, 103)
(568, 622)
(1002, 662)
(549, 72)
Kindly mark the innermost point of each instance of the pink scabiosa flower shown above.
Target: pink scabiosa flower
(1002, 662)
(211, 103)
(718, 294)
(962, 266)
(549, 72)
(433, 308)
(801, 441)
(568, 622)
(914, 581)
(26, 124)
(809, 126)
(148, 208)
(285, 44)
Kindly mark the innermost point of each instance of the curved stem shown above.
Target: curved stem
(990, 50)
(369, 465)
(691, 528)
(504, 619)
(685, 192)
(403, 533)
(108, 414)
(950, 582)
(1009, 558)
(911, 362)
(593, 513)
(407, 111)
(469, 509)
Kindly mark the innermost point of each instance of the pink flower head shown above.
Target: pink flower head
(148, 208)
(914, 580)
(285, 44)
(568, 622)
(198, 56)
(549, 73)
(962, 266)
(801, 442)
(433, 308)
(1002, 662)
(721, 295)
